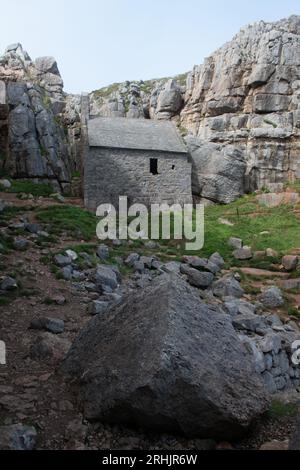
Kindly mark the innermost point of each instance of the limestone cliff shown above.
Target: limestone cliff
(241, 109)
(239, 112)
(33, 140)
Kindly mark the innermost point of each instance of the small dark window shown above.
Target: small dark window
(153, 166)
(173, 167)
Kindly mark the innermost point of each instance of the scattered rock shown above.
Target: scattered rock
(227, 286)
(197, 278)
(5, 184)
(217, 259)
(53, 325)
(271, 297)
(32, 228)
(8, 284)
(49, 347)
(243, 253)
(21, 244)
(270, 253)
(290, 262)
(236, 243)
(97, 307)
(62, 260)
(72, 254)
(103, 252)
(67, 273)
(106, 278)
(17, 437)
(131, 259)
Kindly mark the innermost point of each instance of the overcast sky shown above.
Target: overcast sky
(98, 42)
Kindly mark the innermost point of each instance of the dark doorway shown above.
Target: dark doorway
(153, 166)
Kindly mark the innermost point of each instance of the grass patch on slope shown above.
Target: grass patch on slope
(29, 187)
(76, 222)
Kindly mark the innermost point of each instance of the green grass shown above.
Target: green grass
(76, 222)
(81, 224)
(29, 187)
(279, 409)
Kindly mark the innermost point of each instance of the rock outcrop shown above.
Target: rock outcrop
(33, 141)
(240, 110)
(176, 365)
(246, 95)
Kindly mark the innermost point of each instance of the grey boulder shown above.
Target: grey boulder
(174, 365)
(271, 297)
(17, 437)
(197, 278)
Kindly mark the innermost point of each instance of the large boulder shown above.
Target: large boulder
(217, 172)
(165, 361)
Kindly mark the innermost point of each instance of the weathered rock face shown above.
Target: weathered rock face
(246, 95)
(33, 140)
(217, 172)
(175, 365)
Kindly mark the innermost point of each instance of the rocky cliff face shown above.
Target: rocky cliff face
(247, 95)
(240, 109)
(33, 142)
(239, 112)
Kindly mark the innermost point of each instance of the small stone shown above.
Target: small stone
(5, 184)
(62, 260)
(270, 344)
(117, 242)
(32, 228)
(72, 254)
(290, 262)
(197, 278)
(147, 260)
(131, 259)
(228, 286)
(8, 284)
(67, 273)
(171, 267)
(21, 244)
(270, 253)
(49, 347)
(151, 245)
(139, 266)
(217, 259)
(103, 252)
(236, 243)
(97, 307)
(17, 437)
(243, 253)
(59, 300)
(271, 297)
(249, 322)
(53, 325)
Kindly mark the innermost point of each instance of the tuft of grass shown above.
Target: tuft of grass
(278, 409)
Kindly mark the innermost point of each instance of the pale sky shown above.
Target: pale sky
(99, 42)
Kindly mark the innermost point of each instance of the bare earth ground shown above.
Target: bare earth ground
(33, 392)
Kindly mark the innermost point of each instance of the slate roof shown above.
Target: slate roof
(140, 134)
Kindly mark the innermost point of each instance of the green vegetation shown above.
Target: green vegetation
(273, 124)
(248, 217)
(279, 409)
(76, 222)
(29, 187)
